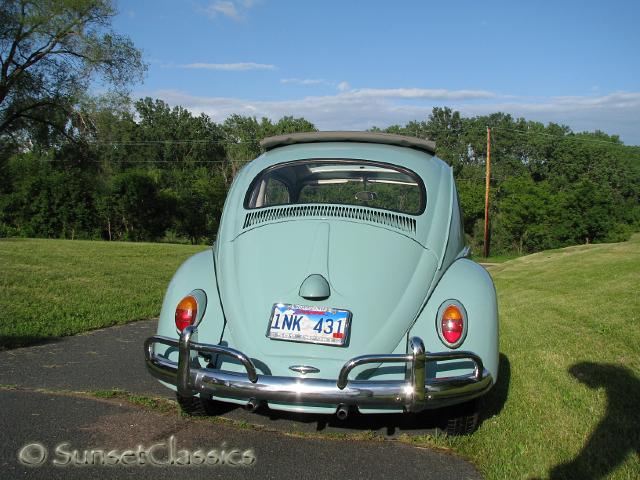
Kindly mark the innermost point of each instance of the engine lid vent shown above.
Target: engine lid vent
(393, 220)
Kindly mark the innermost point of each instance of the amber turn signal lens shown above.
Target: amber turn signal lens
(186, 312)
(452, 324)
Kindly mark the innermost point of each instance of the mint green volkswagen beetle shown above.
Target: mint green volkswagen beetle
(339, 281)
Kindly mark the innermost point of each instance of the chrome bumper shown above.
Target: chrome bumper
(413, 394)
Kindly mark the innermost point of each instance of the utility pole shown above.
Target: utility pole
(486, 195)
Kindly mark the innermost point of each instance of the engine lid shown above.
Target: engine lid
(377, 274)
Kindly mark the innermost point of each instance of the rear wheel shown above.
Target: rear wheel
(463, 419)
(198, 406)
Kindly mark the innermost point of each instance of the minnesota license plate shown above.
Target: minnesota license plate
(298, 323)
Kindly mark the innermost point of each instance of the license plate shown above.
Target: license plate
(298, 323)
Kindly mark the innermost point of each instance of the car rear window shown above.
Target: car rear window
(346, 182)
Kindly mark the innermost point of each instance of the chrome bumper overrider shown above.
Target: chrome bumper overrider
(415, 393)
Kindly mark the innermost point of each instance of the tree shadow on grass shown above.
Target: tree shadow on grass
(618, 433)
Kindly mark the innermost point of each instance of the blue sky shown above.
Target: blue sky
(355, 64)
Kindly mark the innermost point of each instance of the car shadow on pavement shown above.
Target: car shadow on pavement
(391, 424)
(617, 434)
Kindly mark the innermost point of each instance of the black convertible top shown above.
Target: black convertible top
(270, 143)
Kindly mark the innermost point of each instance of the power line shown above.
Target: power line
(170, 142)
(254, 141)
(570, 136)
(181, 162)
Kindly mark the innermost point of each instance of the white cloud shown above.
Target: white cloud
(225, 8)
(571, 107)
(426, 93)
(234, 9)
(615, 113)
(230, 66)
(305, 81)
(400, 93)
(349, 110)
(342, 86)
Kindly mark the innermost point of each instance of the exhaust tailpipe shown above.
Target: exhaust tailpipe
(252, 405)
(342, 412)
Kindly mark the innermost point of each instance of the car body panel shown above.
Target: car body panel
(471, 285)
(198, 272)
(256, 277)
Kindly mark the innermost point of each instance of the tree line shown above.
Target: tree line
(550, 187)
(145, 173)
(149, 172)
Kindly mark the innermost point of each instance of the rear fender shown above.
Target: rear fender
(198, 274)
(470, 284)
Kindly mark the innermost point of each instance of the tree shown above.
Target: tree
(589, 211)
(177, 137)
(243, 135)
(200, 194)
(525, 212)
(142, 210)
(50, 51)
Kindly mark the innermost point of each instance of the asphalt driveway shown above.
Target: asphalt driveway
(39, 406)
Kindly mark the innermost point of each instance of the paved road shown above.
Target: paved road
(95, 425)
(98, 360)
(112, 358)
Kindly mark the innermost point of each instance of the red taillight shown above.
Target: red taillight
(452, 324)
(186, 312)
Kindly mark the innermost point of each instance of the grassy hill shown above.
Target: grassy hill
(567, 405)
(570, 343)
(51, 288)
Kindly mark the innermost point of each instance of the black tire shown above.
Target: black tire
(199, 407)
(463, 419)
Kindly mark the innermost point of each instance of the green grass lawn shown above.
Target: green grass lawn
(50, 288)
(568, 401)
(569, 321)
(478, 257)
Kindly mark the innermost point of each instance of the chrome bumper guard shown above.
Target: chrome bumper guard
(414, 394)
